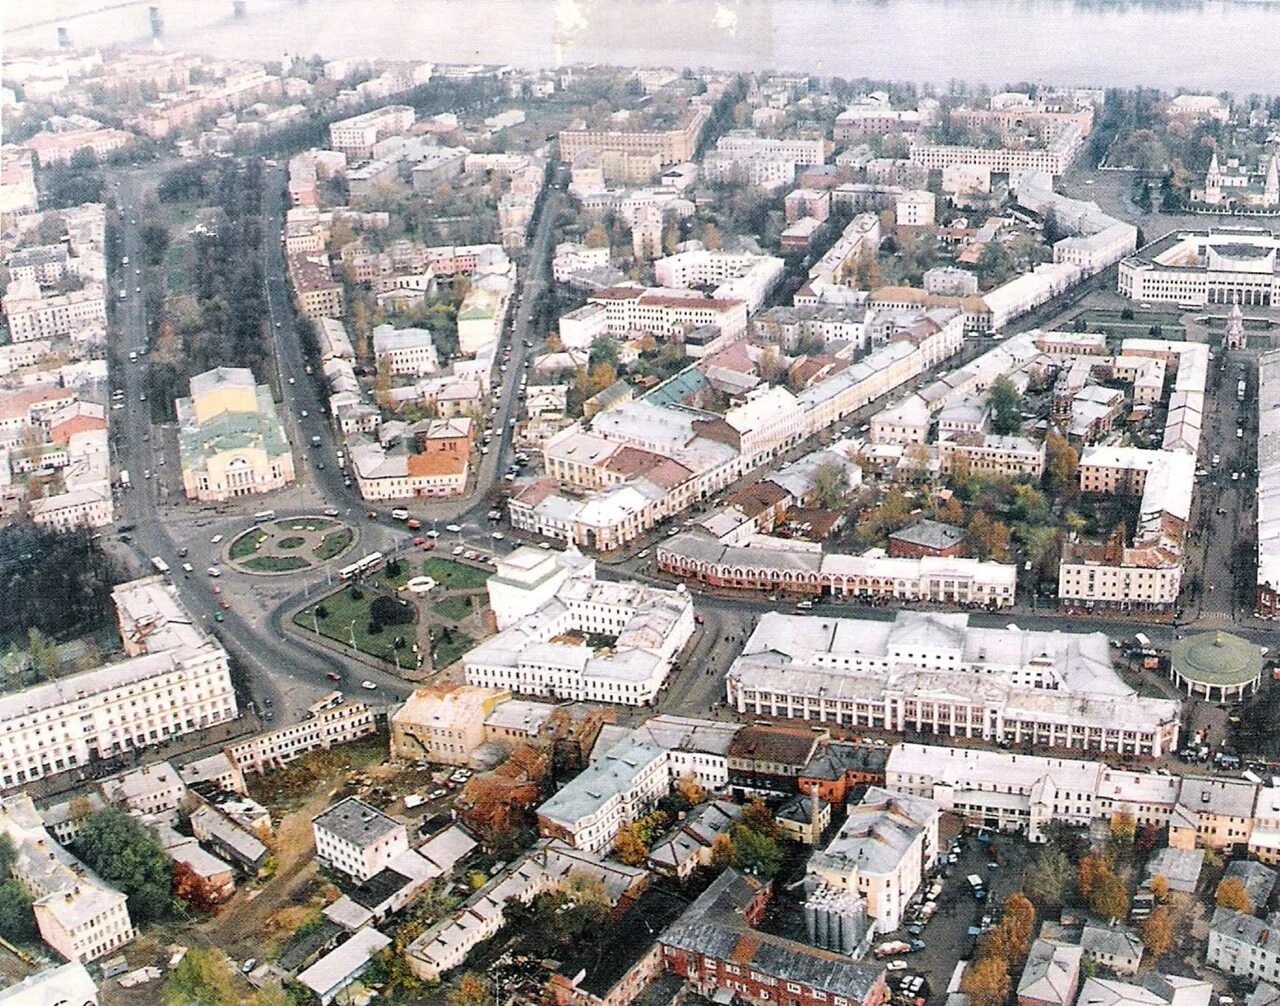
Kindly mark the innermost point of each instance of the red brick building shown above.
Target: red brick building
(716, 949)
(839, 767)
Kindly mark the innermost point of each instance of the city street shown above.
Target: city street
(286, 671)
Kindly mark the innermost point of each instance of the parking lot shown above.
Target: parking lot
(947, 937)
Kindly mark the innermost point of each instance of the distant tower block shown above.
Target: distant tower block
(1235, 337)
(237, 7)
(157, 21)
(64, 39)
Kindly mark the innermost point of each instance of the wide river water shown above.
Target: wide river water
(1213, 46)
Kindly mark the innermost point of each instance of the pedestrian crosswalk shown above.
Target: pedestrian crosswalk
(1215, 618)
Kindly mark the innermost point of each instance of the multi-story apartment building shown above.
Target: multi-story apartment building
(1213, 813)
(1054, 157)
(322, 729)
(716, 949)
(668, 314)
(671, 146)
(550, 651)
(616, 789)
(59, 148)
(357, 136)
(887, 844)
(934, 673)
(314, 289)
(76, 913)
(443, 723)
(745, 277)
(32, 314)
(176, 680)
(1243, 944)
(1267, 592)
(357, 839)
(405, 350)
(696, 748)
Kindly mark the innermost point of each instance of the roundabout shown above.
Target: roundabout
(289, 545)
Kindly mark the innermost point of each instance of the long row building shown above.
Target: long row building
(173, 681)
(1267, 596)
(937, 674)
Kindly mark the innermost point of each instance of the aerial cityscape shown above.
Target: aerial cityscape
(593, 532)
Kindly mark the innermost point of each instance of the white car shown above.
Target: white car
(898, 965)
(369, 685)
(497, 536)
(455, 528)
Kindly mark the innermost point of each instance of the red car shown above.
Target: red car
(217, 589)
(333, 677)
(224, 604)
(419, 541)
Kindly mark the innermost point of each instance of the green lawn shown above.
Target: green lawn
(293, 541)
(334, 544)
(275, 563)
(346, 617)
(454, 575)
(458, 607)
(445, 651)
(247, 543)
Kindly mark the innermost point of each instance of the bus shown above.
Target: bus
(361, 567)
(160, 565)
(262, 515)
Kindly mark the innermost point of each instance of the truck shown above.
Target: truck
(1142, 639)
(124, 478)
(1239, 391)
(977, 887)
(891, 949)
(315, 441)
(160, 565)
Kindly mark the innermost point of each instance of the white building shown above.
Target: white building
(696, 748)
(76, 913)
(614, 790)
(357, 839)
(123, 707)
(731, 276)
(593, 640)
(1222, 265)
(934, 673)
(882, 852)
(61, 985)
(402, 351)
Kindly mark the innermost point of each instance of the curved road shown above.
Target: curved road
(286, 672)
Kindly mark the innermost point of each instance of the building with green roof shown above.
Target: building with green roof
(230, 438)
(1216, 666)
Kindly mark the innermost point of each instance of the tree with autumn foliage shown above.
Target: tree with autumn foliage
(1159, 887)
(471, 990)
(756, 816)
(1123, 828)
(1157, 931)
(629, 845)
(688, 787)
(1231, 894)
(723, 852)
(191, 888)
(986, 982)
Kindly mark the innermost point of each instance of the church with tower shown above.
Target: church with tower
(1240, 187)
(1234, 338)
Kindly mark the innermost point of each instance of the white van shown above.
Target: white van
(265, 515)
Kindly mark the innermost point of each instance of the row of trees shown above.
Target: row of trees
(221, 323)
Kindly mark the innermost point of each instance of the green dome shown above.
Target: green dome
(1217, 659)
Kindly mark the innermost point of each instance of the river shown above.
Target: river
(1211, 46)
